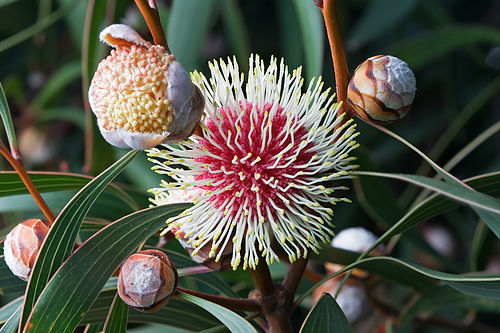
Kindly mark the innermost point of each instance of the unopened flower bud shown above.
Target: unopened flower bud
(147, 279)
(22, 245)
(382, 89)
(140, 95)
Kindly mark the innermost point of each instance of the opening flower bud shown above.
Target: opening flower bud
(140, 95)
(22, 245)
(382, 89)
(147, 279)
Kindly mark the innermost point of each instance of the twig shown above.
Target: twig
(329, 10)
(150, 12)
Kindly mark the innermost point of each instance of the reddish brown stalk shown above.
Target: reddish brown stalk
(329, 10)
(273, 300)
(21, 171)
(149, 10)
(235, 304)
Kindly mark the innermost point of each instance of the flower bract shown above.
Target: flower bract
(268, 163)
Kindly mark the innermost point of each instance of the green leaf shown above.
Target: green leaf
(75, 116)
(186, 37)
(437, 204)
(57, 84)
(425, 48)
(12, 323)
(236, 30)
(9, 283)
(117, 317)
(311, 24)
(95, 260)
(326, 317)
(38, 27)
(404, 277)
(378, 17)
(60, 239)
(400, 270)
(10, 308)
(177, 313)
(445, 297)
(469, 197)
(7, 122)
(6, 2)
(233, 322)
(11, 184)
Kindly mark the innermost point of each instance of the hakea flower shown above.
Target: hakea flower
(268, 161)
(140, 95)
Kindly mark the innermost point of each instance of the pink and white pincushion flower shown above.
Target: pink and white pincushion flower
(268, 161)
(140, 95)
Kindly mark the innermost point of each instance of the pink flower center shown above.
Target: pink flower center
(242, 174)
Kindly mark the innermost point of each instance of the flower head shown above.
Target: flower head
(140, 95)
(268, 162)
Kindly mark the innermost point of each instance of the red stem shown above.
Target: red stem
(150, 12)
(329, 10)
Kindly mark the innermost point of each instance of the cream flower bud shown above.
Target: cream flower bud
(147, 279)
(382, 89)
(22, 245)
(140, 95)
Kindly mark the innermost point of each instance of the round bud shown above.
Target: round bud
(147, 279)
(382, 89)
(22, 244)
(140, 95)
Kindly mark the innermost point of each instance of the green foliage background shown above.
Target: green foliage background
(49, 50)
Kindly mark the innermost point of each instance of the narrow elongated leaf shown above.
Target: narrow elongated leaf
(379, 17)
(12, 324)
(490, 218)
(469, 197)
(445, 297)
(403, 277)
(236, 30)
(185, 37)
(11, 184)
(175, 313)
(9, 283)
(57, 84)
(8, 125)
(233, 321)
(10, 308)
(95, 260)
(425, 48)
(59, 242)
(117, 317)
(326, 317)
(438, 203)
(311, 24)
(475, 285)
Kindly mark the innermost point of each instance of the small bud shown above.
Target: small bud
(382, 89)
(22, 244)
(140, 95)
(147, 279)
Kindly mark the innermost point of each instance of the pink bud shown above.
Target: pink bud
(147, 280)
(22, 245)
